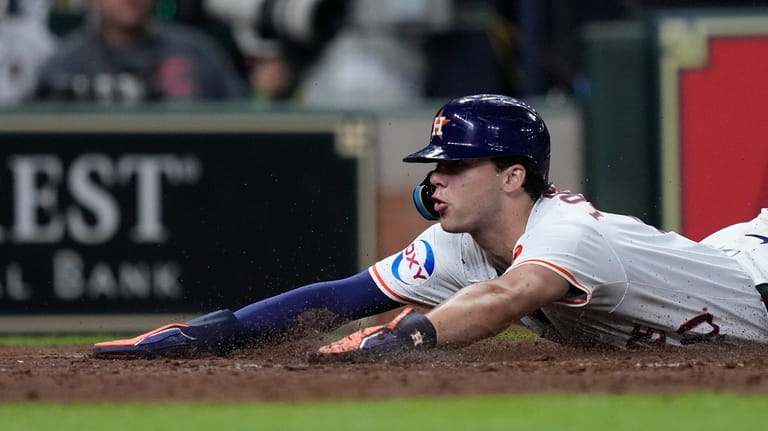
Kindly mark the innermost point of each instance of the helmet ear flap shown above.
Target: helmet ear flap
(422, 198)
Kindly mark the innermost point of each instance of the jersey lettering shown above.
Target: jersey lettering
(573, 198)
(412, 261)
(693, 323)
(645, 335)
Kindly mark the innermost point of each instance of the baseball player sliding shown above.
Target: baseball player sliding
(509, 247)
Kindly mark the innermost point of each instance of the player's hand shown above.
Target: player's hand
(409, 330)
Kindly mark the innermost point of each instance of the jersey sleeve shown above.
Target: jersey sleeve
(577, 253)
(432, 268)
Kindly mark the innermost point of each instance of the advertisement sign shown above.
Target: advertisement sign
(172, 220)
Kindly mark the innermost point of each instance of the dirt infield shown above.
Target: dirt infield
(282, 374)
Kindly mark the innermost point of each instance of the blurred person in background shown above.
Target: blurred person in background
(372, 53)
(280, 40)
(25, 45)
(377, 60)
(122, 53)
(337, 53)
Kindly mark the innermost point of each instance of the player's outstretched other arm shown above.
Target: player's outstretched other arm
(484, 309)
(478, 311)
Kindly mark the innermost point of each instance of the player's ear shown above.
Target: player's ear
(513, 177)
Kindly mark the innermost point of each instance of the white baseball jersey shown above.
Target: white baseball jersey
(631, 284)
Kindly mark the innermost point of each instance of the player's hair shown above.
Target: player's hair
(534, 183)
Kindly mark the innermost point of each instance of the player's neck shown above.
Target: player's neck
(498, 239)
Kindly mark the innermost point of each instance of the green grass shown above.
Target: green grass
(517, 333)
(53, 340)
(546, 412)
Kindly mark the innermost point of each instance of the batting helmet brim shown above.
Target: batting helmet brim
(430, 153)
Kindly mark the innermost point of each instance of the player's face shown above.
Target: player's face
(466, 193)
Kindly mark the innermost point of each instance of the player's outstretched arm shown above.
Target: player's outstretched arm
(219, 332)
(478, 311)
(346, 299)
(484, 309)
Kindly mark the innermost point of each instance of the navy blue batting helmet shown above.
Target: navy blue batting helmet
(487, 126)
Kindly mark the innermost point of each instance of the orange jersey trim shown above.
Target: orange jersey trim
(570, 277)
(383, 285)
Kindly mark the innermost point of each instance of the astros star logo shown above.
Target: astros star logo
(437, 126)
(417, 337)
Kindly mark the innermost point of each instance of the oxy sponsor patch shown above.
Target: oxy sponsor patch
(415, 264)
